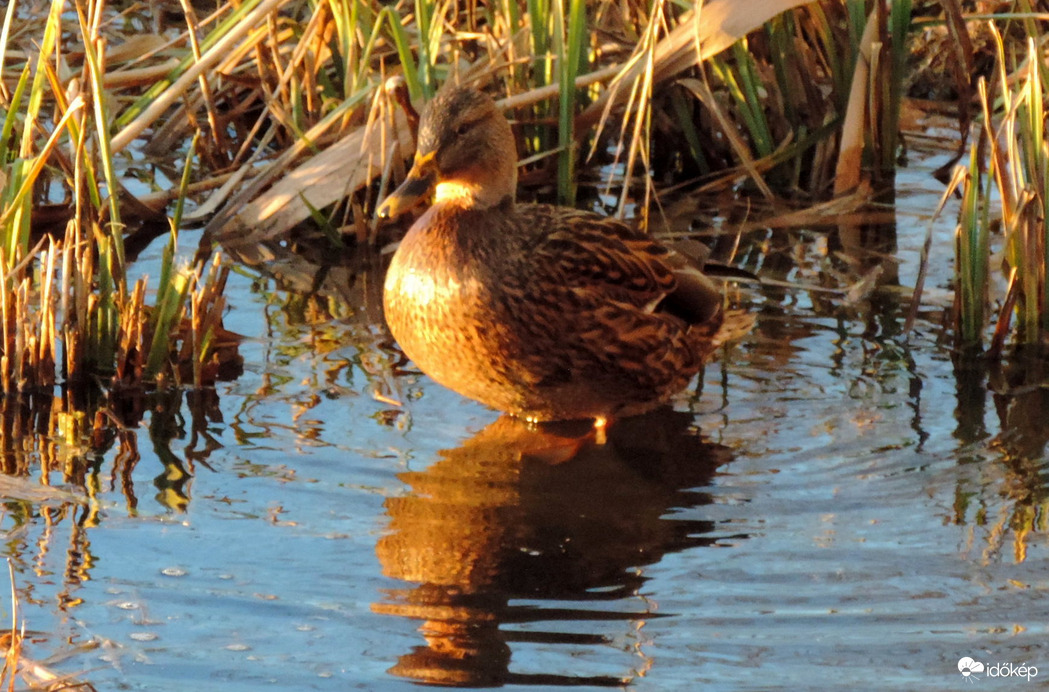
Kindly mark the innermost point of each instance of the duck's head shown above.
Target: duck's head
(465, 153)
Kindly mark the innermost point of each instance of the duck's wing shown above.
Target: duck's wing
(588, 295)
(588, 252)
(612, 261)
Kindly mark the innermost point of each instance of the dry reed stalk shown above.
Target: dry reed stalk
(215, 121)
(213, 56)
(14, 638)
(132, 347)
(638, 109)
(849, 169)
(710, 29)
(206, 334)
(326, 178)
(34, 675)
(7, 313)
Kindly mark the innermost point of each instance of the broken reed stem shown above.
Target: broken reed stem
(14, 647)
(60, 304)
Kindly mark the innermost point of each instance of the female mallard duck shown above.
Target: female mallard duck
(546, 312)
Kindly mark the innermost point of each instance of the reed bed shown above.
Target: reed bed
(647, 93)
(70, 314)
(1005, 187)
(278, 114)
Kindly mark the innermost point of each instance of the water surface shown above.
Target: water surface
(837, 503)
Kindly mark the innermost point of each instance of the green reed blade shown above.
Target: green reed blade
(971, 268)
(40, 82)
(170, 301)
(183, 187)
(893, 78)
(572, 57)
(685, 119)
(780, 33)
(99, 98)
(429, 44)
(540, 17)
(11, 117)
(412, 71)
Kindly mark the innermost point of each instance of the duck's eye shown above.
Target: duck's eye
(462, 129)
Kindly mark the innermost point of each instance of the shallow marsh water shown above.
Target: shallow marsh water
(836, 505)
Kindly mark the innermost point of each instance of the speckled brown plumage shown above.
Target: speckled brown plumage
(545, 312)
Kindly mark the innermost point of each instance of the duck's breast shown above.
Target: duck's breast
(439, 304)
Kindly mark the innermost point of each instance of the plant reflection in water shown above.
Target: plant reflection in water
(1010, 497)
(66, 439)
(542, 515)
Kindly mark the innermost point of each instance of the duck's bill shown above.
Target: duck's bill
(417, 187)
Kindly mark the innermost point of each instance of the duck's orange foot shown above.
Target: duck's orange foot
(601, 430)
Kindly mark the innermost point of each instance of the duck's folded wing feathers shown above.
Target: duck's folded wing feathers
(616, 262)
(593, 253)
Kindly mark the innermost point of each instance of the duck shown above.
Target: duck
(545, 312)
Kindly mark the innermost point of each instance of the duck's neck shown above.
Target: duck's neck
(474, 194)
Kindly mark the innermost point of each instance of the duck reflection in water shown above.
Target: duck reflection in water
(538, 514)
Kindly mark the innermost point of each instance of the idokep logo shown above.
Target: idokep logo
(969, 668)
